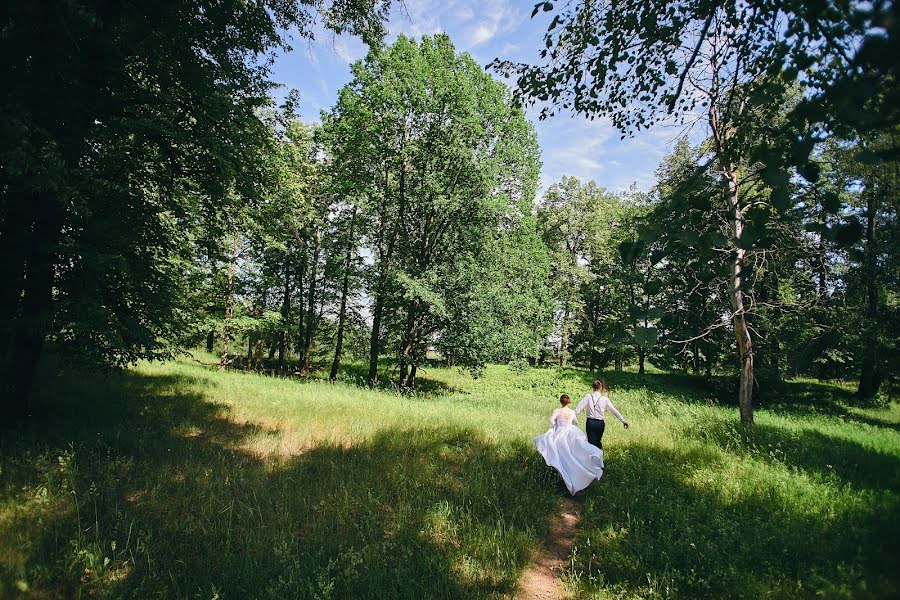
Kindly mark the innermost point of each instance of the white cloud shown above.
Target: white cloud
(491, 17)
(470, 22)
(481, 33)
(507, 49)
(463, 13)
(349, 49)
(416, 18)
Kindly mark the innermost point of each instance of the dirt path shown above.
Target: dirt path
(541, 580)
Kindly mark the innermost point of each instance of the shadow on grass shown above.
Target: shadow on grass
(662, 524)
(808, 450)
(787, 397)
(388, 374)
(357, 373)
(693, 388)
(133, 485)
(874, 421)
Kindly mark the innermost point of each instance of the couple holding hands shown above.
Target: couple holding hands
(566, 448)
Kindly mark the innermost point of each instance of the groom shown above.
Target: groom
(596, 403)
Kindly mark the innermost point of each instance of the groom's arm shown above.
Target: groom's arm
(616, 412)
(581, 405)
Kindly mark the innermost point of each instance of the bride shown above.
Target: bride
(565, 448)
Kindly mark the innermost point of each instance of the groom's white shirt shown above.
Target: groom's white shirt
(597, 404)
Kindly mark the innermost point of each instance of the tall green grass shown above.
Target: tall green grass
(177, 480)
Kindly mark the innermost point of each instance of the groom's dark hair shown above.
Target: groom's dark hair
(600, 384)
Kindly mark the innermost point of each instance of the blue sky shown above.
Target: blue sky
(570, 145)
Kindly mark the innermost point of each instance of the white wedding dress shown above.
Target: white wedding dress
(566, 449)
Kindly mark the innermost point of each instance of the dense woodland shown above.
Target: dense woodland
(156, 198)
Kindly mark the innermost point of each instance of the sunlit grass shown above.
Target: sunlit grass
(177, 480)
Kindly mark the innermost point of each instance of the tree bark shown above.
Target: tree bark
(736, 298)
(823, 269)
(285, 314)
(618, 361)
(311, 307)
(229, 305)
(695, 363)
(406, 348)
(301, 329)
(870, 379)
(27, 326)
(345, 288)
(707, 362)
(411, 382)
(377, 311)
(210, 340)
(374, 342)
(641, 355)
(15, 231)
(257, 353)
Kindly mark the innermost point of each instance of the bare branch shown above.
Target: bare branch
(690, 63)
(702, 334)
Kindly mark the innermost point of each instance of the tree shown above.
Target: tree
(570, 217)
(107, 152)
(639, 63)
(693, 271)
(873, 186)
(440, 157)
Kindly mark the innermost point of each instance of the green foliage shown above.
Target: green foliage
(128, 135)
(443, 166)
(638, 62)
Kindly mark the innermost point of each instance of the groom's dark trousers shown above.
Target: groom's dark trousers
(594, 429)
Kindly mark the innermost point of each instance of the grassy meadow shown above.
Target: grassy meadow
(176, 480)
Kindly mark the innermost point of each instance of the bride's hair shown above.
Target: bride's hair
(564, 399)
(600, 385)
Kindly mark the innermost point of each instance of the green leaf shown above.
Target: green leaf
(645, 337)
(653, 287)
(656, 313)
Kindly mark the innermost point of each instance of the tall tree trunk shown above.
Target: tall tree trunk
(411, 382)
(229, 304)
(28, 328)
(406, 347)
(257, 353)
(564, 339)
(823, 268)
(273, 346)
(301, 327)
(707, 362)
(619, 361)
(695, 363)
(311, 309)
(374, 342)
(870, 379)
(249, 364)
(345, 288)
(285, 314)
(210, 340)
(15, 231)
(736, 297)
(641, 355)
